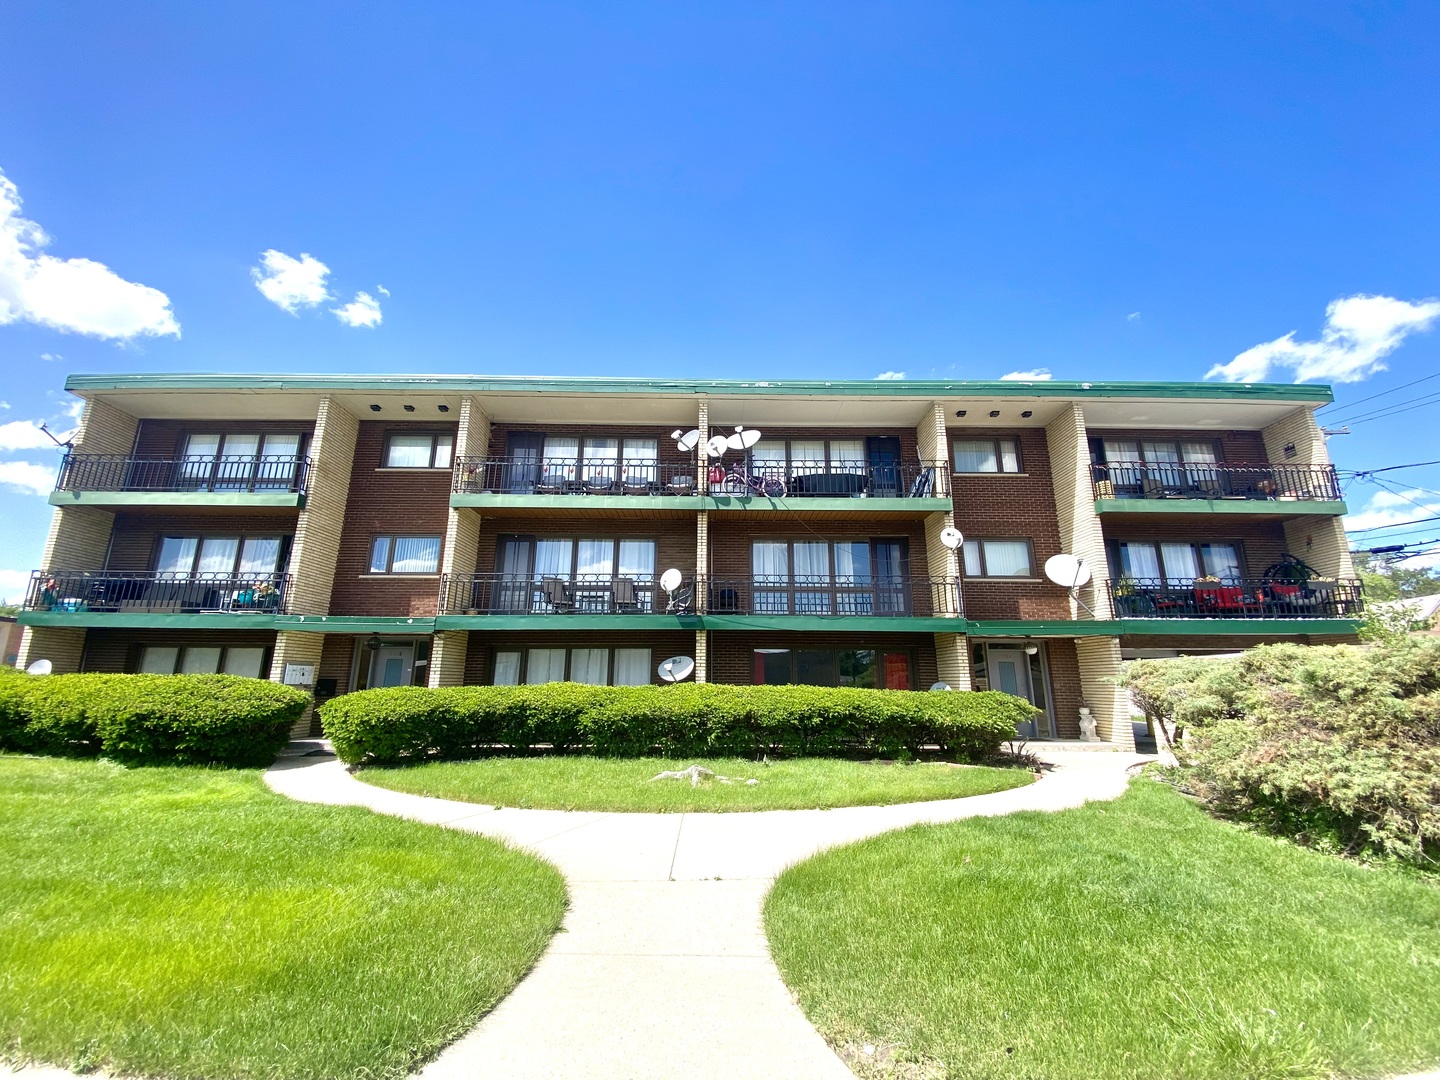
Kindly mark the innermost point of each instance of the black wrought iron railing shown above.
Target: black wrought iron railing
(797, 595)
(540, 594)
(240, 473)
(1213, 480)
(1237, 599)
(800, 479)
(156, 592)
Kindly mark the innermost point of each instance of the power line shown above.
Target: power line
(1395, 524)
(1390, 468)
(1396, 409)
(1383, 393)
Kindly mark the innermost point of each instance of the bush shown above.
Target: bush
(149, 719)
(1337, 747)
(406, 724)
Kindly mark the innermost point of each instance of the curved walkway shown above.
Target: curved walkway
(661, 968)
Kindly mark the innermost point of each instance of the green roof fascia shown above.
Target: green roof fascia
(355, 624)
(1238, 627)
(722, 503)
(567, 622)
(288, 499)
(1271, 507)
(139, 620)
(837, 623)
(1066, 628)
(519, 384)
(482, 500)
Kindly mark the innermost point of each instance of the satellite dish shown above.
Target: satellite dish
(736, 441)
(676, 669)
(951, 537)
(40, 667)
(1068, 570)
(670, 580)
(686, 440)
(940, 686)
(717, 446)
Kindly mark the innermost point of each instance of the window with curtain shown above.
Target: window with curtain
(632, 667)
(998, 558)
(419, 450)
(816, 577)
(870, 668)
(642, 462)
(590, 666)
(251, 557)
(602, 458)
(507, 668)
(594, 666)
(770, 568)
(986, 455)
(848, 456)
(1175, 563)
(405, 555)
(544, 665)
(246, 661)
(559, 461)
(589, 567)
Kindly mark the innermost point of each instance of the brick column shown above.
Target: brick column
(447, 658)
(297, 647)
(63, 646)
(702, 656)
(462, 529)
(1080, 532)
(317, 533)
(702, 424)
(1319, 541)
(933, 444)
(952, 658)
(1109, 704)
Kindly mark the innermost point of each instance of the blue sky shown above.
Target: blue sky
(1102, 190)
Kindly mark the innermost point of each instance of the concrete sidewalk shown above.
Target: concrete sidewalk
(661, 969)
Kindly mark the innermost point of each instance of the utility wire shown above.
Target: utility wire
(1382, 393)
(1395, 524)
(1388, 468)
(1396, 409)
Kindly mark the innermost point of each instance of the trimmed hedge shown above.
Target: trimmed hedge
(407, 724)
(149, 719)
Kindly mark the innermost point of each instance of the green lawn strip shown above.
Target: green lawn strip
(188, 922)
(1139, 938)
(624, 784)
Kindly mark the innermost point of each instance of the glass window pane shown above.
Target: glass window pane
(409, 452)
(276, 467)
(771, 667)
(1221, 560)
(857, 667)
(553, 558)
(1198, 452)
(380, 555)
(1179, 563)
(416, 555)
(177, 556)
(559, 461)
(816, 667)
(975, 456)
(770, 561)
(507, 668)
(767, 458)
(847, 455)
(601, 459)
(632, 667)
(1140, 561)
(1160, 451)
(236, 464)
(590, 666)
(637, 559)
(200, 661)
(642, 458)
(244, 662)
(259, 556)
(1121, 450)
(241, 446)
(200, 453)
(1007, 558)
(971, 550)
(852, 562)
(594, 559)
(1009, 455)
(217, 555)
(158, 660)
(812, 562)
(545, 665)
(444, 450)
(807, 456)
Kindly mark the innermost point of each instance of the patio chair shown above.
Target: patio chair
(681, 485)
(623, 591)
(558, 595)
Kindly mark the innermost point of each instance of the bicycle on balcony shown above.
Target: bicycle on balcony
(738, 482)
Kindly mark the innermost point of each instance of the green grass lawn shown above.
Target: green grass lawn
(590, 783)
(189, 923)
(1139, 938)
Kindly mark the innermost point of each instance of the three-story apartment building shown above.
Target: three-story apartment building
(443, 530)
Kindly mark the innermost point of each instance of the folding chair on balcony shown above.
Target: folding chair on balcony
(623, 593)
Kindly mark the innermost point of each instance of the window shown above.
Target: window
(1175, 562)
(986, 455)
(1158, 467)
(869, 668)
(249, 661)
(816, 577)
(590, 665)
(803, 457)
(998, 558)
(405, 555)
(423, 450)
(240, 462)
(562, 574)
(247, 557)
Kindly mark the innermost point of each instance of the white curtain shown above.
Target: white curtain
(545, 665)
(259, 556)
(158, 660)
(812, 568)
(1140, 561)
(807, 456)
(847, 456)
(1222, 560)
(770, 565)
(768, 459)
(177, 556)
(444, 450)
(975, 456)
(1009, 456)
(1181, 565)
(276, 468)
(237, 462)
(642, 461)
(1007, 558)
(416, 555)
(507, 668)
(973, 566)
(558, 461)
(590, 666)
(632, 667)
(595, 560)
(244, 662)
(201, 661)
(409, 452)
(601, 458)
(217, 555)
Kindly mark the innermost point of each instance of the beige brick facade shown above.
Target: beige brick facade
(322, 522)
(1080, 532)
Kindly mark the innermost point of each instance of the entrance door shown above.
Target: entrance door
(884, 454)
(1010, 673)
(392, 665)
(522, 469)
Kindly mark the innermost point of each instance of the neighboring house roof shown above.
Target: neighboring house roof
(1421, 608)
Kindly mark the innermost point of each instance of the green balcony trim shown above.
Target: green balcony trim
(836, 623)
(1271, 507)
(356, 624)
(1236, 627)
(482, 500)
(1065, 628)
(723, 503)
(136, 620)
(177, 498)
(568, 622)
(517, 384)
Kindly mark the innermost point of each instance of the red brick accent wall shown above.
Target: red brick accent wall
(661, 643)
(400, 501)
(118, 650)
(1237, 447)
(732, 651)
(135, 538)
(1064, 686)
(1001, 506)
(166, 438)
(1261, 542)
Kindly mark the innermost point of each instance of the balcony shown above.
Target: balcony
(115, 592)
(506, 594)
(1187, 487)
(1237, 599)
(902, 598)
(119, 480)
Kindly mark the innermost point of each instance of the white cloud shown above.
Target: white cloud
(382, 290)
(25, 477)
(23, 435)
(889, 376)
(1038, 375)
(77, 296)
(1394, 508)
(1359, 332)
(291, 283)
(50, 358)
(1134, 316)
(14, 584)
(364, 310)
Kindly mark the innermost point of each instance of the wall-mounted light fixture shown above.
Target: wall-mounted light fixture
(443, 408)
(1031, 649)
(1026, 415)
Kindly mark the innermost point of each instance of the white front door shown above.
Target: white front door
(391, 665)
(1010, 672)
